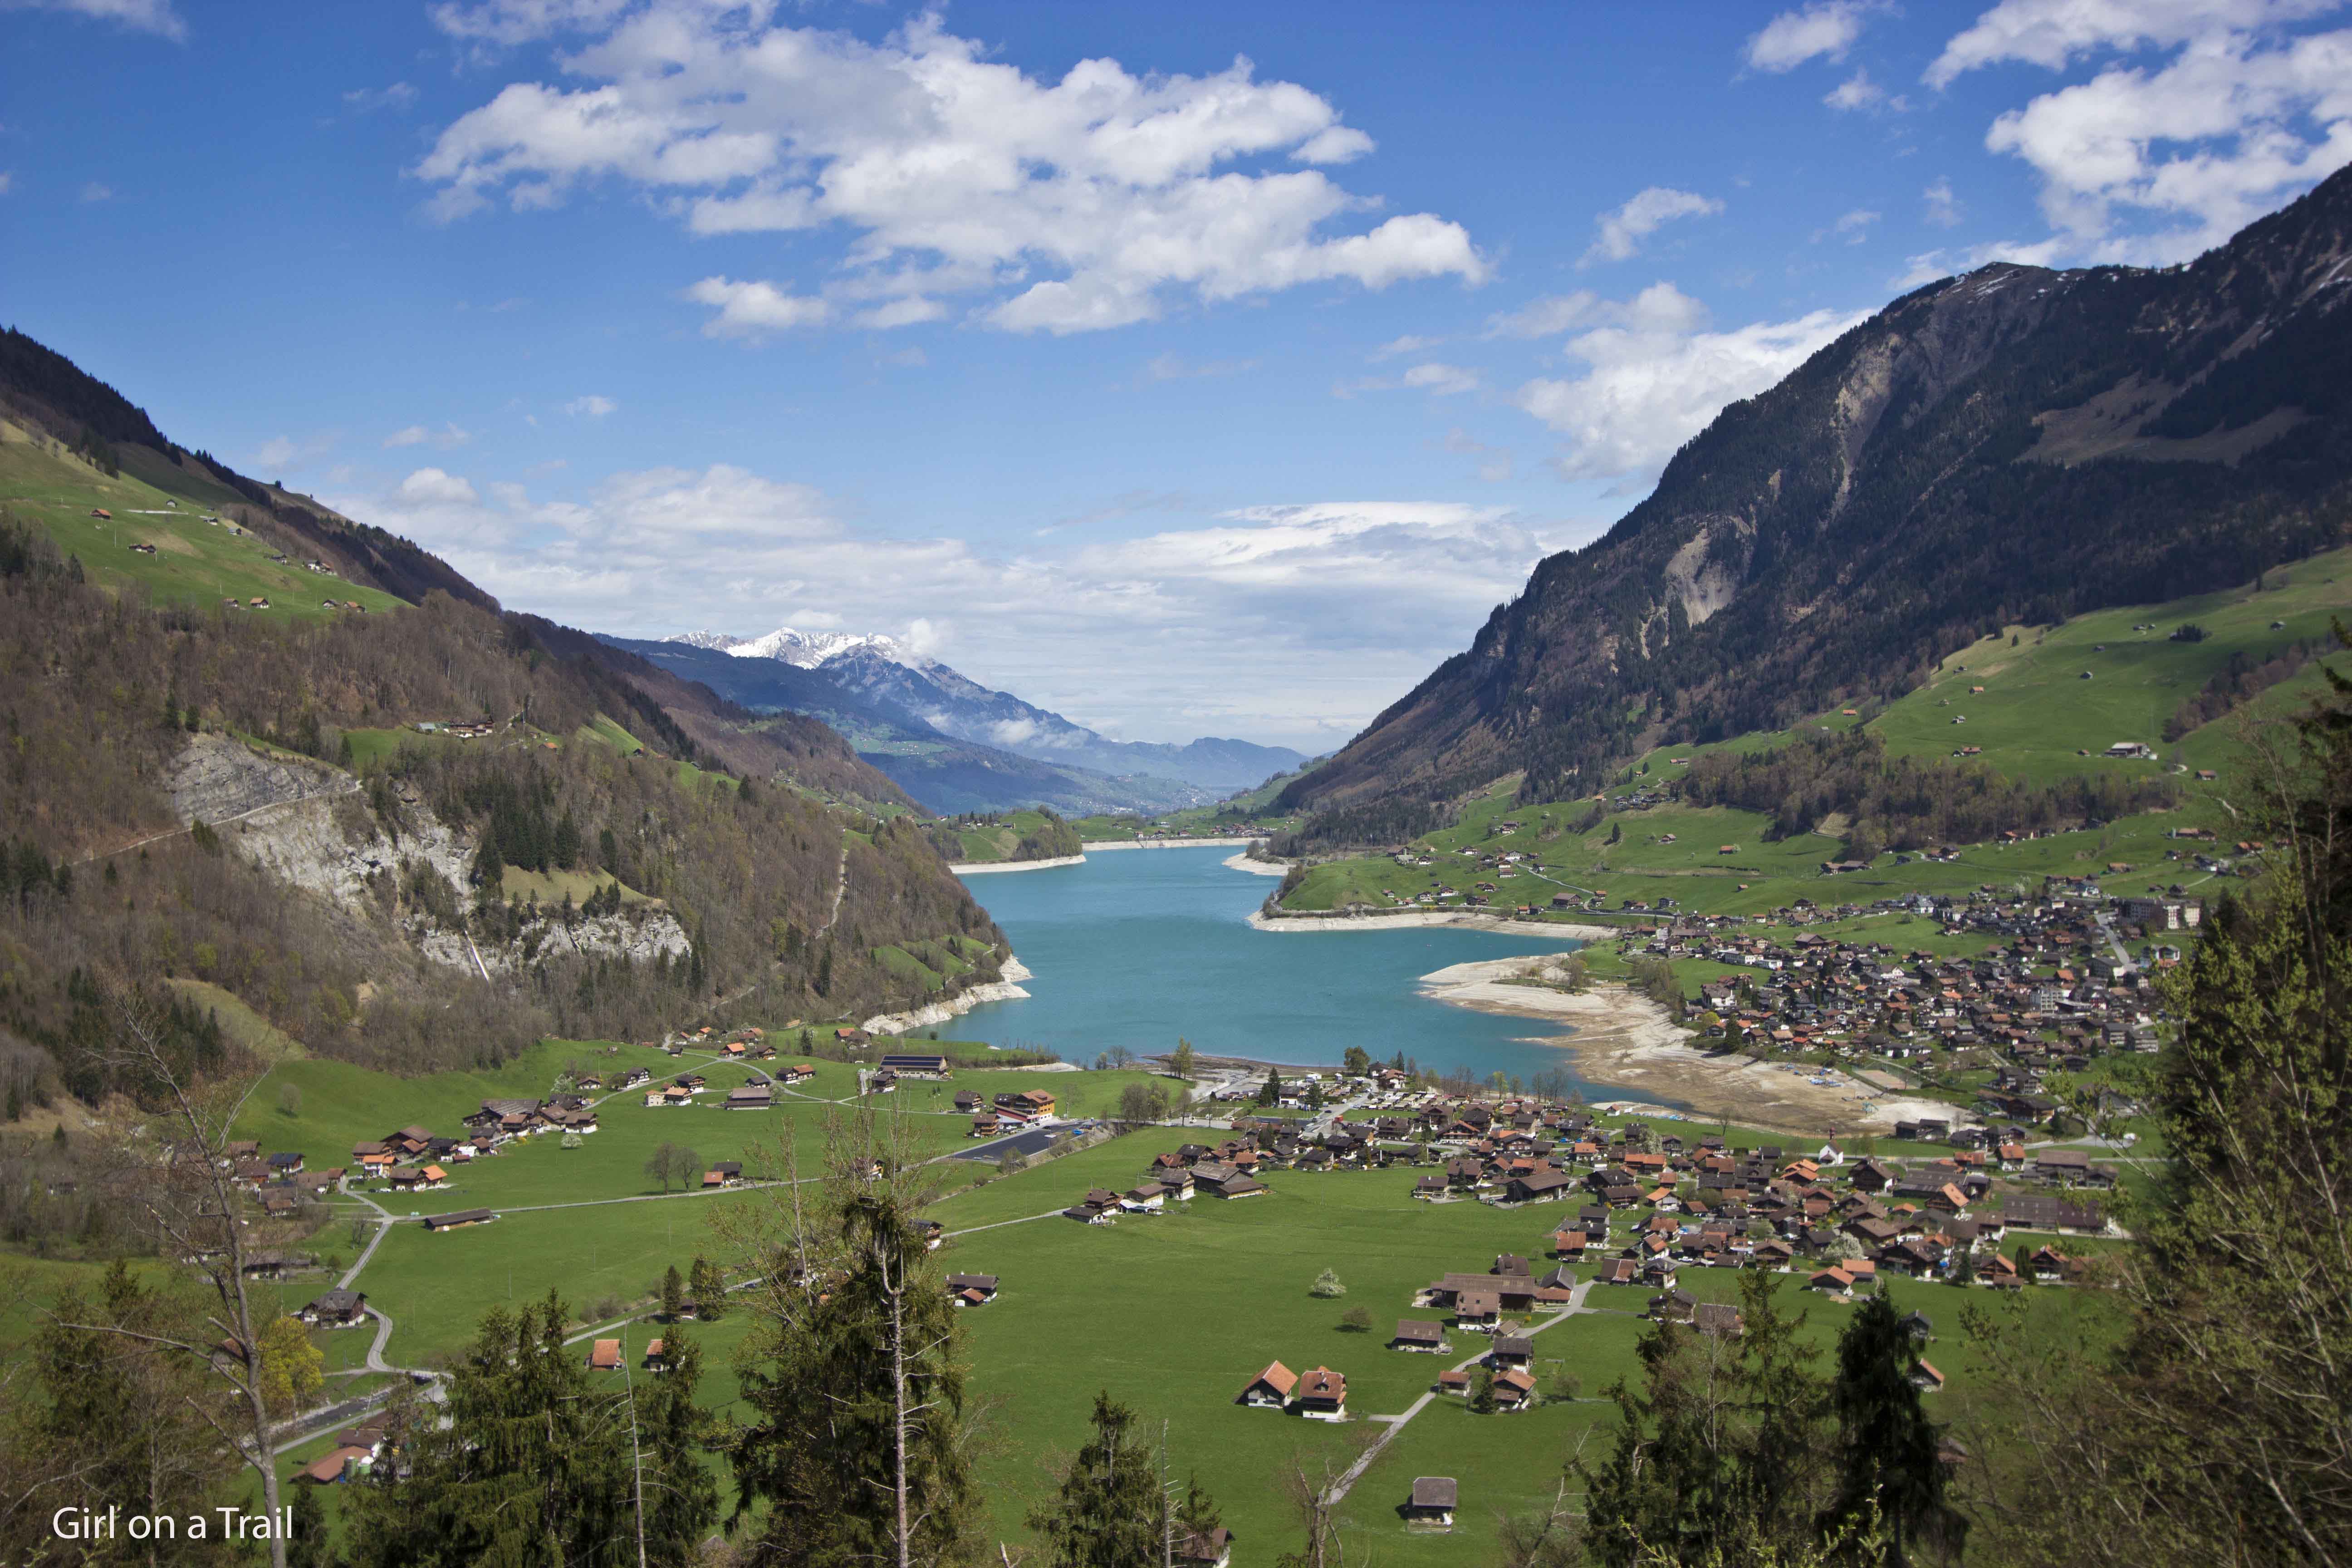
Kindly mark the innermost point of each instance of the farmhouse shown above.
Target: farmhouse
(1322, 1396)
(458, 1218)
(1432, 1500)
(336, 1309)
(1271, 1389)
(1418, 1334)
(604, 1356)
(751, 1096)
(934, 1067)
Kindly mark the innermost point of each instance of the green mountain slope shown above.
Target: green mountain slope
(2015, 445)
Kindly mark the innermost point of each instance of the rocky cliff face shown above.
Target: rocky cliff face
(2015, 445)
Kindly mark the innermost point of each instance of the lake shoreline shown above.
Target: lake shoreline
(1501, 925)
(976, 867)
(1624, 1040)
(1007, 989)
(1092, 844)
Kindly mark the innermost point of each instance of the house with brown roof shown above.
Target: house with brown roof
(1514, 1390)
(1214, 1549)
(1271, 1389)
(604, 1355)
(1419, 1335)
(1322, 1396)
(1433, 1502)
(335, 1466)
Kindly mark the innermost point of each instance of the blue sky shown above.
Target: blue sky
(1211, 369)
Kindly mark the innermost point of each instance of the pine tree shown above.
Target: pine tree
(681, 1495)
(567, 841)
(855, 1449)
(709, 1289)
(307, 1545)
(1270, 1091)
(1180, 1063)
(673, 1295)
(1888, 1454)
(1109, 1512)
(534, 1466)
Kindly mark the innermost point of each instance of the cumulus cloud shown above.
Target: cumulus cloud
(1858, 91)
(436, 487)
(2204, 145)
(2055, 33)
(1060, 206)
(754, 310)
(1654, 374)
(156, 17)
(1408, 345)
(276, 452)
(591, 407)
(1824, 30)
(1623, 229)
(1199, 627)
(418, 434)
(510, 22)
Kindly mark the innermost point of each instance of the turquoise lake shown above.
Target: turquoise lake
(1136, 947)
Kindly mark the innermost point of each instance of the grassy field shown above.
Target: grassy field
(2035, 719)
(194, 563)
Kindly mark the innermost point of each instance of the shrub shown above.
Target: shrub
(1326, 1285)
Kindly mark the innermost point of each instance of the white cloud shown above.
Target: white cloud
(156, 17)
(1071, 205)
(1202, 627)
(1824, 30)
(2055, 33)
(1625, 228)
(1407, 344)
(1654, 378)
(591, 407)
(1943, 208)
(418, 434)
(753, 309)
(368, 100)
(1853, 228)
(1543, 317)
(94, 192)
(1858, 91)
(2213, 140)
(902, 313)
(436, 487)
(276, 453)
(1442, 380)
(510, 22)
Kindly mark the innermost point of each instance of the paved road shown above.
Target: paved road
(1355, 1472)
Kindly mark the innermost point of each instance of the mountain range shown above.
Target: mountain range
(2016, 444)
(947, 740)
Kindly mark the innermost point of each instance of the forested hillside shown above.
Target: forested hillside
(418, 839)
(2018, 444)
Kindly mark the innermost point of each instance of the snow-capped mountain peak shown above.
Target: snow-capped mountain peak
(808, 650)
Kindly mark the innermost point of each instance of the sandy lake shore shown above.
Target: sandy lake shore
(1241, 862)
(1625, 1041)
(974, 868)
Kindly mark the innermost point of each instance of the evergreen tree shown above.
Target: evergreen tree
(307, 1545)
(710, 1290)
(1180, 1063)
(534, 1466)
(1109, 1512)
(673, 1294)
(566, 848)
(1888, 1461)
(681, 1494)
(1270, 1091)
(855, 1449)
(1482, 1389)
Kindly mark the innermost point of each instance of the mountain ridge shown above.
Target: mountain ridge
(879, 671)
(2014, 445)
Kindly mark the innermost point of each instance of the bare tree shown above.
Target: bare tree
(186, 1191)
